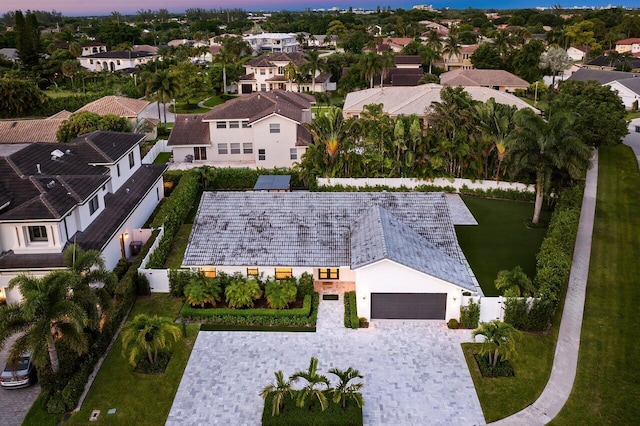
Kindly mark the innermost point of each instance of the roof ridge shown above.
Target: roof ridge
(94, 146)
(378, 211)
(43, 198)
(69, 188)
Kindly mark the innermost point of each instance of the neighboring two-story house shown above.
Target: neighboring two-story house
(116, 61)
(93, 191)
(270, 72)
(273, 42)
(93, 48)
(628, 45)
(260, 130)
(455, 61)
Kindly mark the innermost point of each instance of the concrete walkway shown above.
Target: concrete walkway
(565, 361)
(633, 138)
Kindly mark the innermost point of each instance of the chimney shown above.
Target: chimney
(38, 167)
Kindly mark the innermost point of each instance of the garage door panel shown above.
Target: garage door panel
(408, 305)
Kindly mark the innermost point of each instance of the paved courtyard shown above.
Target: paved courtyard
(414, 371)
(15, 403)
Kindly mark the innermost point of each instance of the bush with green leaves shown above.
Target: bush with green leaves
(516, 312)
(453, 324)
(202, 290)
(470, 315)
(305, 285)
(242, 293)
(279, 293)
(178, 280)
(351, 319)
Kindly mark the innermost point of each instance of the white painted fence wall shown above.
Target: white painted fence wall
(158, 278)
(160, 146)
(413, 183)
(491, 308)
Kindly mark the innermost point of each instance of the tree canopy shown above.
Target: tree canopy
(86, 122)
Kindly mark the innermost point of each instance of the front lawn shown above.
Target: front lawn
(607, 386)
(178, 247)
(138, 398)
(162, 158)
(500, 240)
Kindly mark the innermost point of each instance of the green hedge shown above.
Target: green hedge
(244, 178)
(189, 311)
(293, 415)
(470, 315)
(351, 319)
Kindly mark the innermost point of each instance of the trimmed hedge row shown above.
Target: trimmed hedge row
(470, 315)
(243, 178)
(305, 316)
(172, 215)
(351, 311)
(60, 394)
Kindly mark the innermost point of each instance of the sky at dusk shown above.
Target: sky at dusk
(87, 7)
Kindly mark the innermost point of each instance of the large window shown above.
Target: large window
(247, 148)
(94, 205)
(222, 149)
(208, 272)
(199, 153)
(329, 273)
(262, 155)
(235, 148)
(234, 125)
(252, 272)
(221, 125)
(38, 234)
(293, 154)
(132, 160)
(283, 273)
(274, 128)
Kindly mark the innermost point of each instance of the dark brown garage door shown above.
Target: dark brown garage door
(408, 305)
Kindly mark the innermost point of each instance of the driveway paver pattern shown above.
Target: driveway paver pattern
(15, 403)
(414, 371)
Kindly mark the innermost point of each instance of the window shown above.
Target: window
(262, 155)
(38, 234)
(262, 71)
(132, 160)
(199, 153)
(263, 87)
(208, 272)
(247, 148)
(280, 70)
(91, 61)
(245, 124)
(283, 273)
(222, 149)
(221, 125)
(293, 154)
(94, 205)
(118, 61)
(234, 125)
(329, 273)
(118, 169)
(274, 128)
(252, 272)
(235, 148)
(637, 129)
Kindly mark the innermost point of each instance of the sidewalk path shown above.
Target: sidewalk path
(565, 361)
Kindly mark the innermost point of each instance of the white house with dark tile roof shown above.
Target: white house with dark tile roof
(116, 60)
(400, 249)
(93, 190)
(260, 130)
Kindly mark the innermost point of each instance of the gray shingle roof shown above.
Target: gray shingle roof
(379, 235)
(306, 228)
(601, 76)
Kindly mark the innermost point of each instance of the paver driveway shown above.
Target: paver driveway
(415, 372)
(15, 403)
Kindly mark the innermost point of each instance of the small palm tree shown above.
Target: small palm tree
(310, 390)
(499, 340)
(345, 392)
(241, 293)
(314, 64)
(280, 294)
(278, 392)
(202, 290)
(514, 283)
(146, 334)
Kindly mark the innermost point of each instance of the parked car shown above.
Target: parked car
(19, 374)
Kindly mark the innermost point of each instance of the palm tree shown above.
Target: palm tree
(452, 47)
(70, 68)
(496, 122)
(202, 290)
(330, 130)
(387, 62)
(428, 55)
(502, 42)
(434, 41)
(146, 334)
(499, 340)
(280, 293)
(225, 58)
(166, 86)
(310, 390)
(49, 313)
(278, 392)
(241, 293)
(543, 148)
(314, 64)
(514, 282)
(371, 66)
(345, 392)
(291, 74)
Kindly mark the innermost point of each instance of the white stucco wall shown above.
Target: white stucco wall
(15, 236)
(276, 145)
(627, 95)
(386, 276)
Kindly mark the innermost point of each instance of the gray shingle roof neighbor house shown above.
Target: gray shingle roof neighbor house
(484, 78)
(318, 229)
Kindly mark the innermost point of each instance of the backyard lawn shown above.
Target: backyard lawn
(139, 399)
(178, 246)
(607, 386)
(500, 240)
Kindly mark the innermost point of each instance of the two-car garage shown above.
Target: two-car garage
(425, 306)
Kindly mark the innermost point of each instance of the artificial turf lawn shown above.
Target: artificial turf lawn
(139, 399)
(178, 247)
(162, 158)
(500, 240)
(607, 386)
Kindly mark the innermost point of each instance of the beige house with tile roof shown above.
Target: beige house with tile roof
(122, 107)
(27, 131)
(500, 80)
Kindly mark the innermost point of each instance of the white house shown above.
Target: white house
(273, 42)
(628, 90)
(575, 54)
(269, 72)
(630, 45)
(399, 249)
(93, 191)
(116, 61)
(258, 130)
(92, 48)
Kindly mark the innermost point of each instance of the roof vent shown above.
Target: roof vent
(51, 184)
(38, 168)
(55, 154)
(68, 151)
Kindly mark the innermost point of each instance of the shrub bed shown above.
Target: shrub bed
(502, 368)
(146, 367)
(291, 414)
(470, 315)
(351, 319)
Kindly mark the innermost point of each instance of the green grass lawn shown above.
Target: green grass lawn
(192, 108)
(632, 114)
(541, 105)
(500, 240)
(178, 247)
(139, 399)
(214, 101)
(60, 93)
(607, 386)
(162, 158)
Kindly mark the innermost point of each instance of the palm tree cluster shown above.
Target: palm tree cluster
(148, 335)
(499, 341)
(460, 138)
(316, 389)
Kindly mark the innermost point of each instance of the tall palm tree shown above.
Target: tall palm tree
(428, 55)
(345, 392)
(278, 392)
(496, 122)
(514, 282)
(452, 47)
(291, 74)
(166, 86)
(434, 41)
(543, 148)
(49, 313)
(224, 57)
(502, 42)
(146, 335)
(371, 66)
(310, 390)
(314, 64)
(499, 340)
